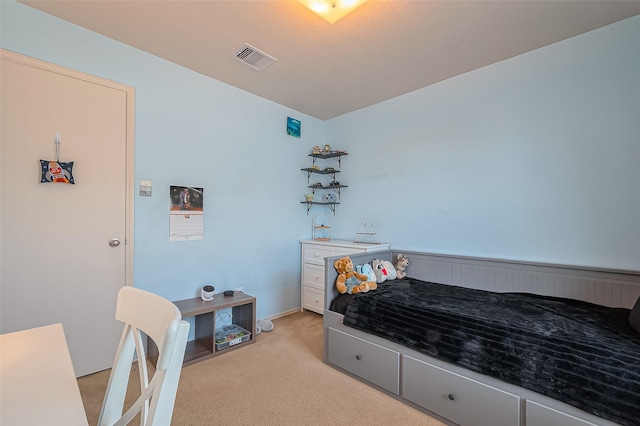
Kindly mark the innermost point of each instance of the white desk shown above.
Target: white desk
(37, 383)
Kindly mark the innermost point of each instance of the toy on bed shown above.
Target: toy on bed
(367, 270)
(391, 270)
(401, 265)
(383, 270)
(348, 280)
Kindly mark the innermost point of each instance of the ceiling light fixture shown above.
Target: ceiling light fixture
(332, 10)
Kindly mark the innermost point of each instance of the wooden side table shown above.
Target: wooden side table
(204, 312)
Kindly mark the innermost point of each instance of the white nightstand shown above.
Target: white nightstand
(312, 267)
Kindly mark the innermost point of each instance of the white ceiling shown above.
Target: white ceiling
(384, 49)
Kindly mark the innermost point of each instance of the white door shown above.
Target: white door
(56, 261)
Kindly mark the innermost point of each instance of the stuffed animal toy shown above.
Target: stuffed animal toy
(391, 270)
(379, 271)
(349, 281)
(401, 265)
(366, 270)
(383, 270)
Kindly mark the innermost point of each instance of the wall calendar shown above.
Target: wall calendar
(186, 214)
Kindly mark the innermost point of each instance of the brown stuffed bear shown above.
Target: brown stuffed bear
(350, 281)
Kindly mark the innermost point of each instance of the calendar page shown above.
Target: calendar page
(186, 215)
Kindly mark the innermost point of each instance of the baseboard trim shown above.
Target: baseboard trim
(283, 314)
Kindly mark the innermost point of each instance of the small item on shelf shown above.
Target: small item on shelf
(230, 335)
(316, 150)
(321, 227)
(206, 293)
(334, 183)
(327, 148)
(330, 198)
(308, 197)
(366, 234)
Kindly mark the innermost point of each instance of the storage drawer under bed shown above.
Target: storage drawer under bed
(541, 415)
(371, 362)
(462, 400)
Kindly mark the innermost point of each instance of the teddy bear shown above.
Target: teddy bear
(401, 265)
(348, 280)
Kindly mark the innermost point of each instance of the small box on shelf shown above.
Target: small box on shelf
(230, 335)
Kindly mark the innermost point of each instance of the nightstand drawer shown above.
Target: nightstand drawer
(315, 254)
(313, 276)
(313, 299)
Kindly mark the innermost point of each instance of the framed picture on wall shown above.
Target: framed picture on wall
(293, 127)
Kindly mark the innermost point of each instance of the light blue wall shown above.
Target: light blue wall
(535, 158)
(195, 131)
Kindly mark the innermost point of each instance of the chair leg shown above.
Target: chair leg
(113, 402)
(162, 403)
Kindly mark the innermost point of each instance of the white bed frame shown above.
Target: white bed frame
(451, 393)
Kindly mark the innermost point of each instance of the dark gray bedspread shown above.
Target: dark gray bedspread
(583, 354)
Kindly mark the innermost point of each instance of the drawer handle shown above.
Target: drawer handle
(451, 396)
(316, 254)
(358, 357)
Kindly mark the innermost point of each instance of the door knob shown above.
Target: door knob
(114, 242)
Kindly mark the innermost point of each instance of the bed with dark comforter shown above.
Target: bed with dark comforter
(583, 354)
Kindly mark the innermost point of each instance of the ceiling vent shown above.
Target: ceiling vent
(253, 57)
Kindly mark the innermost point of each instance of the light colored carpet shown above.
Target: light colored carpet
(279, 380)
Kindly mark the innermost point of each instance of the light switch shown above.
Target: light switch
(145, 188)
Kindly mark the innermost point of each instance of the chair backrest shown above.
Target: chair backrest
(160, 320)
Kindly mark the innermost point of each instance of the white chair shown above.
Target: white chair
(160, 320)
